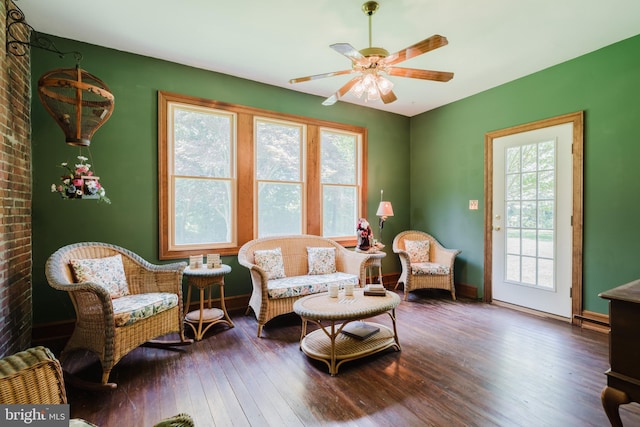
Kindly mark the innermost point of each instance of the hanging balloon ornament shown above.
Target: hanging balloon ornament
(79, 102)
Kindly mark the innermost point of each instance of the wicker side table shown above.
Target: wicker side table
(206, 278)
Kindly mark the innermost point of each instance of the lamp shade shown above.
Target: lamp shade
(79, 102)
(384, 209)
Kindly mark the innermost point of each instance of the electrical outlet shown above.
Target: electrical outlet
(473, 205)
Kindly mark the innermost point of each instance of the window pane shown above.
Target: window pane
(338, 158)
(513, 187)
(529, 186)
(513, 268)
(545, 273)
(513, 160)
(340, 210)
(545, 243)
(280, 209)
(546, 185)
(202, 211)
(546, 155)
(513, 241)
(202, 143)
(529, 242)
(278, 151)
(529, 270)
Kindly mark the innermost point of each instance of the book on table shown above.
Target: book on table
(360, 330)
(375, 290)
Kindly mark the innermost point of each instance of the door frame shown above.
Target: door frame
(577, 120)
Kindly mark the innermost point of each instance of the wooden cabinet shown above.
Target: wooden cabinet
(623, 378)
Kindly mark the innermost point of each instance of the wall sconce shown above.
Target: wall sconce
(79, 102)
(384, 210)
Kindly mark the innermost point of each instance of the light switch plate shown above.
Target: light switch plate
(473, 205)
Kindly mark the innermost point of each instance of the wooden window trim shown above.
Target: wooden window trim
(246, 170)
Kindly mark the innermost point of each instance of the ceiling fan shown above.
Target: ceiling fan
(371, 61)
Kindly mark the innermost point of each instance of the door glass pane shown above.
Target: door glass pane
(513, 241)
(513, 268)
(530, 214)
(546, 243)
(529, 270)
(529, 242)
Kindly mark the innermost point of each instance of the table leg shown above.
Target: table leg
(612, 398)
(188, 302)
(332, 368)
(199, 333)
(222, 305)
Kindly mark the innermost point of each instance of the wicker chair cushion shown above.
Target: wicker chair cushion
(131, 308)
(418, 250)
(309, 284)
(321, 260)
(430, 268)
(270, 260)
(107, 272)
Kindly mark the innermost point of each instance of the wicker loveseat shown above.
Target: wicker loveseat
(111, 326)
(272, 297)
(434, 270)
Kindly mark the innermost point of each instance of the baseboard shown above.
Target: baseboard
(466, 291)
(595, 321)
(530, 311)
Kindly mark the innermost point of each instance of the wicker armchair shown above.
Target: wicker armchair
(294, 252)
(31, 376)
(435, 273)
(34, 376)
(96, 329)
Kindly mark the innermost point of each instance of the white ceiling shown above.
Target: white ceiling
(491, 42)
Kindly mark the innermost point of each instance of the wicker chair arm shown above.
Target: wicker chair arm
(445, 256)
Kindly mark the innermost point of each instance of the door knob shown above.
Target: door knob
(496, 227)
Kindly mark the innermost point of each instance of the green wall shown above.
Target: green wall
(447, 161)
(430, 166)
(124, 155)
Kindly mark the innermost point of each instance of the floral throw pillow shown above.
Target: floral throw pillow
(270, 260)
(321, 260)
(107, 272)
(418, 250)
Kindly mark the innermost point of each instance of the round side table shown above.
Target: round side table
(203, 278)
(372, 263)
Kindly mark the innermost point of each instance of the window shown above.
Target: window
(340, 181)
(280, 180)
(229, 174)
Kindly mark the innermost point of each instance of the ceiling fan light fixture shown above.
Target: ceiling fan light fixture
(384, 85)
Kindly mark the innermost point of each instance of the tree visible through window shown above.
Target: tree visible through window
(230, 173)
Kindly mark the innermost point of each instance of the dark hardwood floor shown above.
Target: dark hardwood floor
(462, 363)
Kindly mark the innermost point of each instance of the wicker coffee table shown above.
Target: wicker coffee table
(327, 343)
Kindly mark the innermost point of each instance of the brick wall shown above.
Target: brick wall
(15, 193)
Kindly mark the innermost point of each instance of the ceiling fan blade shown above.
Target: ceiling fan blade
(439, 76)
(321, 76)
(347, 50)
(419, 48)
(389, 97)
(341, 92)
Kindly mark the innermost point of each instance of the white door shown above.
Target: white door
(532, 206)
